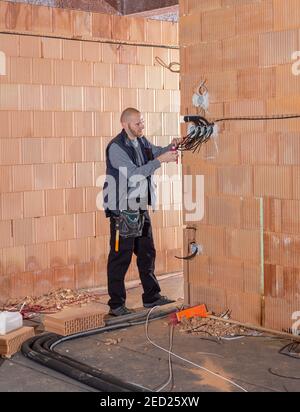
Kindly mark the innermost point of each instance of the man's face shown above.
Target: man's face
(136, 125)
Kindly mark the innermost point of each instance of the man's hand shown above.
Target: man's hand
(177, 141)
(168, 157)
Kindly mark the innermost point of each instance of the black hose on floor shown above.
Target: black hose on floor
(41, 350)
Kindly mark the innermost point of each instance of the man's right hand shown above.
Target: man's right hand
(168, 157)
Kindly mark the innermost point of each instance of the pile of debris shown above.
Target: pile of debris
(51, 302)
(211, 327)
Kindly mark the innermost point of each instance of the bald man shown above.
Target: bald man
(131, 161)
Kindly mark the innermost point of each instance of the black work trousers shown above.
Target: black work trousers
(118, 264)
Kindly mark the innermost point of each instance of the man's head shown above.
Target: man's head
(133, 123)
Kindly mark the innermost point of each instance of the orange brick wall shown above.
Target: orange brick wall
(60, 104)
(244, 50)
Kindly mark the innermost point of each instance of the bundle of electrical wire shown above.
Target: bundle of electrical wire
(201, 130)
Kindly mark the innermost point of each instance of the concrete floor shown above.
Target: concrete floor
(135, 360)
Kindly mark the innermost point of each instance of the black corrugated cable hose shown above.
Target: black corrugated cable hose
(41, 350)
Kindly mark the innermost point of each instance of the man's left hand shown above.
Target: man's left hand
(177, 141)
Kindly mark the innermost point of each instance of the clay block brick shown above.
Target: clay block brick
(290, 216)
(85, 225)
(74, 150)
(283, 105)
(250, 213)
(73, 98)
(11, 343)
(9, 44)
(20, 70)
(14, 260)
(296, 183)
(45, 229)
(51, 48)
(42, 19)
(110, 53)
(83, 74)
(287, 84)
(102, 224)
(62, 22)
(101, 26)
(279, 314)
(240, 108)
(63, 124)
(190, 28)
(224, 211)
(20, 16)
(154, 77)
(37, 259)
(65, 227)
(5, 179)
(63, 72)
(170, 124)
(21, 285)
(129, 98)
(64, 277)
(121, 75)
(71, 321)
(214, 299)
(43, 282)
(239, 54)
(21, 124)
(286, 15)
(78, 251)
(83, 124)
(273, 281)
(5, 119)
(42, 71)
(194, 61)
(213, 240)
(84, 174)
(55, 202)
(85, 275)
(52, 98)
(82, 24)
(91, 51)
(34, 204)
(12, 206)
(274, 181)
(22, 177)
(218, 24)
(103, 124)
(260, 148)
(31, 97)
(23, 232)
(93, 99)
(252, 277)
(53, 150)
(65, 176)
(57, 254)
(245, 307)
(257, 83)
(120, 27)
(93, 149)
(254, 18)
(91, 198)
(44, 176)
(43, 124)
(137, 30)
(290, 149)
(6, 239)
(128, 54)
(277, 47)
(9, 96)
(154, 31)
(235, 180)
(145, 56)
(30, 46)
(75, 200)
(112, 100)
(146, 99)
(31, 151)
(103, 74)
(226, 274)
(243, 244)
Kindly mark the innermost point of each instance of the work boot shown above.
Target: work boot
(120, 311)
(162, 300)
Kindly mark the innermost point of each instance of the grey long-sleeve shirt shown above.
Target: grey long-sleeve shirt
(136, 175)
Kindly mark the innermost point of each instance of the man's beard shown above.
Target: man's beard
(135, 134)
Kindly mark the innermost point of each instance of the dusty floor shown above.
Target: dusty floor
(245, 361)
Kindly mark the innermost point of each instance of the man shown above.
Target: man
(131, 161)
